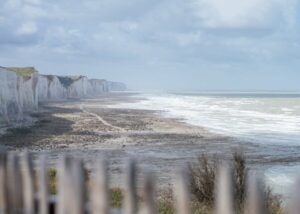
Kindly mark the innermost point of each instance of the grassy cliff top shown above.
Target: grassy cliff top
(23, 71)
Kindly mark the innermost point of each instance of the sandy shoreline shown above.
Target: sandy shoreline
(88, 129)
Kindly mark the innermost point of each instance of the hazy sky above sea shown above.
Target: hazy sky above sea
(158, 44)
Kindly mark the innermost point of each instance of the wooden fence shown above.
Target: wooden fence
(24, 191)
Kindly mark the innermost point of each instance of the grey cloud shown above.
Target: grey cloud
(145, 37)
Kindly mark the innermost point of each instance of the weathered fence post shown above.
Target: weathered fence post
(224, 191)
(43, 187)
(15, 184)
(77, 193)
(63, 166)
(181, 191)
(71, 191)
(100, 200)
(294, 204)
(28, 183)
(130, 199)
(148, 195)
(3, 184)
(256, 201)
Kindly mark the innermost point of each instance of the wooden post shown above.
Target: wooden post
(130, 199)
(256, 200)
(43, 187)
(14, 184)
(181, 191)
(28, 183)
(223, 191)
(63, 166)
(3, 184)
(100, 199)
(294, 204)
(76, 196)
(148, 193)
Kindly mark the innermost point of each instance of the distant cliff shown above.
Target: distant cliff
(116, 86)
(21, 89)
(62, 87)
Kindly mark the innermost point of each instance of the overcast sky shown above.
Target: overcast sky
(158, 44)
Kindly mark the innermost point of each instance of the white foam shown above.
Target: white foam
(265, 120)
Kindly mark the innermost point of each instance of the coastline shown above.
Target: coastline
(88, 129)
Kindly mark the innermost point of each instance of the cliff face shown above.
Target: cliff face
(75, 86)
(116, 86)
(61, 87)
(50, 88)
(96, 86)
(27, 83)
(18, 92)
(21, 89)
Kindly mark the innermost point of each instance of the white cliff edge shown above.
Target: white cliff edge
(21, 89)
(18, 94)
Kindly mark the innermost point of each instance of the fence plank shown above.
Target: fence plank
(77, 189)
(62, 169)
(43, 187)
(256, 200)
(14, 184)
(181, 191)
(294, 204)
(148, 194)
(130, 199)
(100, 203)
(224, 191)
(28, 183)
(3, 184)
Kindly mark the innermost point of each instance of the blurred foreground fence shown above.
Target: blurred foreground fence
(24, 191)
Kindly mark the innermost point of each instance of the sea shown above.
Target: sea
(259, 117)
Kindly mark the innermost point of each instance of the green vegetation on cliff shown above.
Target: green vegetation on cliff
(67, 81)
(23, 71)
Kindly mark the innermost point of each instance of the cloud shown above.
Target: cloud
(246, 13)
(147, 35)
(27, 28)
(34, 2)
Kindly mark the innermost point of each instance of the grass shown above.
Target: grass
(116, 195)
(23, 71)
(52, 175)
(203, 176)
(165, 207)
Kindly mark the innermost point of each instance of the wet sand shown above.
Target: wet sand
(88, 129)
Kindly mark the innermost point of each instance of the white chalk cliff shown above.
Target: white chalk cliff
(21, 89)
(96, 86)
(116, 86)
(18, 93)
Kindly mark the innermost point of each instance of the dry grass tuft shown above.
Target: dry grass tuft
(203, 176)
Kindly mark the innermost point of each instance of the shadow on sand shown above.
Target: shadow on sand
(48, 125)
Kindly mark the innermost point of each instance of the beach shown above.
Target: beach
(93, 128)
